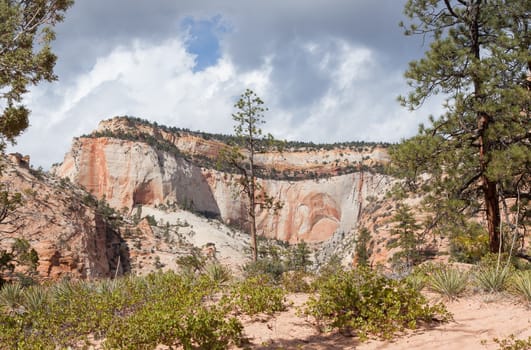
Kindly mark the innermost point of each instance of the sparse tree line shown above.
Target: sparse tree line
(262, 172)
(292, 146)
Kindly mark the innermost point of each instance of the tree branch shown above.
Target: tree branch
(523, 256)
(450, 9)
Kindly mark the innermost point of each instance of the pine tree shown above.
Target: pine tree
(26, 57)
(409, 240)
(362, 247)
(299, 258)
(478, 153)
(241, 158)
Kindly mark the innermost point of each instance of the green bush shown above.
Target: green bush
(274, 268)
(176, 319)
(257, 294)
(218, 274)
(296, 281)
(370, 304)
(329, 269)
(193, 262)
(494, 260)
(416, 280)
(469, 242)
(448, 281)
(511, 343)
(131, 312)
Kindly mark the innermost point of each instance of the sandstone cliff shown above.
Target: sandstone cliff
(71, 237)
(134, 163)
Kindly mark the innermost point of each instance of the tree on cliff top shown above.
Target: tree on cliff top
(240, 157)
(478, 153)
(26, 57)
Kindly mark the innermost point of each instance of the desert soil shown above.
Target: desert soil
(478, 319)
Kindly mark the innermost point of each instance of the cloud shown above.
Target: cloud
(156, 82)
(329, 71)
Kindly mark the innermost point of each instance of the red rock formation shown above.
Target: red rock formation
(70, 237)
(127, 173)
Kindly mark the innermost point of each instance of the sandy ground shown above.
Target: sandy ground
(477, 320)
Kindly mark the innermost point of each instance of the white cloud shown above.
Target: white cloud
(156, 81)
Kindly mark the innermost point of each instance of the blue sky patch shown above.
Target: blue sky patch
(203, 40)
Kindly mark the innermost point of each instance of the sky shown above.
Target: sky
(328, 70)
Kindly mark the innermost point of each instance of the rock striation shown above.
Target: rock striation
(130, 163)
(71, 237)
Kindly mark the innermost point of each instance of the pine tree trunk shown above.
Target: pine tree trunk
(252, 190)
(254, 248)
(493, 215)
(488, 187)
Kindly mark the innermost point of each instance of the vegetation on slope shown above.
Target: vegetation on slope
(194, 310)
(160, 144)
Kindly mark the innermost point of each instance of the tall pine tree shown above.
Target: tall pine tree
(240, 157)
(478, 153)
(26, 59)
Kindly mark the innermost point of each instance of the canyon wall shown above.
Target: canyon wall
(70, 236)
(130, 172)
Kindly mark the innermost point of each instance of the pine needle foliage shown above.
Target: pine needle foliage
(477, 154)
(26, 57)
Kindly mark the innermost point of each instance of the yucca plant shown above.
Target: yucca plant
(520, 283)
(107, 286)
(218, 274)
(35, 298)
(63, 291)
(416, 280)
(492, 279)
(448, 281)
(11, 297)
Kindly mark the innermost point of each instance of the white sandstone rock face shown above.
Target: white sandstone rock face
(128, 173)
